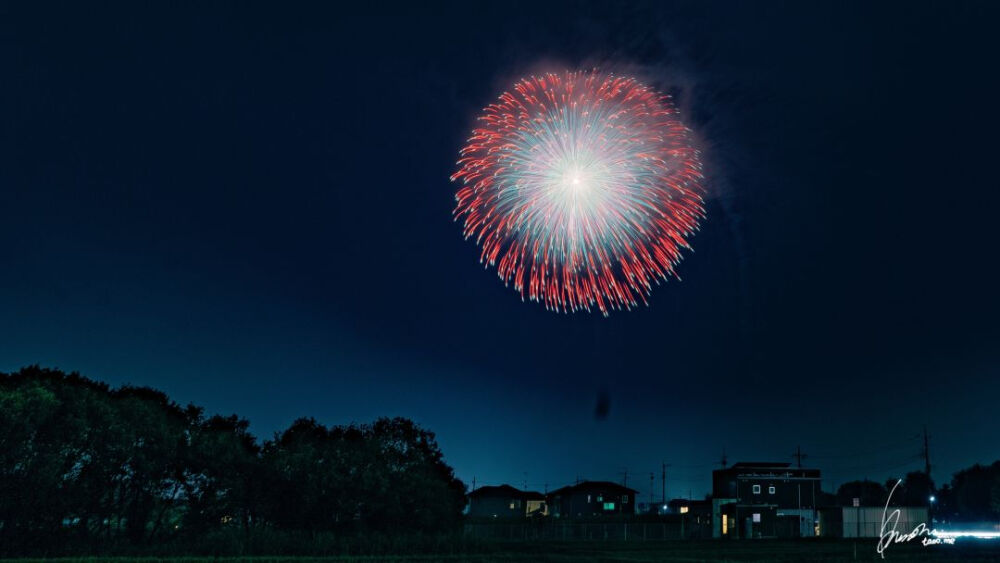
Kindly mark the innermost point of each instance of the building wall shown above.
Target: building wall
(807, 519)
(745, 522)
(866, 521)
(793, 487)
(590, 503)
(717, 520)
(496, 507)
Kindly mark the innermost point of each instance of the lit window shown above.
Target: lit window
(756, 489)
(725, 524)
(600, 498)
(512, 505)
(756, 517)
(770, 490)
(684, 510)
(588, 498)
(609, 506)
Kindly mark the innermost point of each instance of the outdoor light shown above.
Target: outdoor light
(933, 498)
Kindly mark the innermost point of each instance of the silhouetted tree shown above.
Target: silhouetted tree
(85, 465)
(221, 478)
(870, 493)
(386, 476)
(915, 490)
(975, 492)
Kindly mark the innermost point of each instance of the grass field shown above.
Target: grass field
(688, 551)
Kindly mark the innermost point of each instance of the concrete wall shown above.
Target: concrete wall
(866, 521)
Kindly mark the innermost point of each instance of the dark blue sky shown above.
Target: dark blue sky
(247, 206)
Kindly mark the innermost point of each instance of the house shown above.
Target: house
(765, 499)
(689, 506)
(591, 498)
(504, 501)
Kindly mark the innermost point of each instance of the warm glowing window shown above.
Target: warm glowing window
(725, 524)
(684, 510)
(512, 505)
(756, 489)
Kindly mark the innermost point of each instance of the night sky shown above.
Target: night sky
(248, 207)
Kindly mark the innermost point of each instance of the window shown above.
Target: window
(770, 490)
(512, 505)
(609, 506)
(588, 499)
(600, 498)
(756, 517)
(756, 489)
(725, 525)
(684, 510)
(624, 499)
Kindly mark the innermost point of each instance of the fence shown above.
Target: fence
(586, 531)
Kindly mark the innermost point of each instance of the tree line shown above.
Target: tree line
(973, 495)
(86, 468)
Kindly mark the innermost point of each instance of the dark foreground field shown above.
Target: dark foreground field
(820, 550)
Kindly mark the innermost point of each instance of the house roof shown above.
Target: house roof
(506, 491)
(495, 491)
(600, 486)
(761, 464)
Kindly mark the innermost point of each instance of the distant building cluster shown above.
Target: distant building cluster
(585, 499)
(748, 500)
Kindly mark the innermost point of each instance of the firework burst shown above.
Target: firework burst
(581, 188)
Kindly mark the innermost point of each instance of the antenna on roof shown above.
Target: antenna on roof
(799, 456)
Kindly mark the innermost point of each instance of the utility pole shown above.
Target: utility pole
(927, 453)
(724, 462)
(798, 455)
(525, 482)
(473, 482)
(625, 478)
(652, 481)
(663, 482)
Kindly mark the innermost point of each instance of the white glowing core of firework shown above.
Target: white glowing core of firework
(577, 182)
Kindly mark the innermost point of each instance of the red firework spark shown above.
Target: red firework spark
(582, 189)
